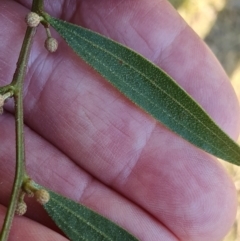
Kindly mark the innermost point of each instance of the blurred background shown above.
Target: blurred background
(217, 22)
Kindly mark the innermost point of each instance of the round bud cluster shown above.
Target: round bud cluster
(51, 44)
(21, 208)
(42, 196)
(33, 19)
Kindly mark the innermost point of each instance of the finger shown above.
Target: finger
(129, 150)
(28, 230)
(53, 169)
(164, 39)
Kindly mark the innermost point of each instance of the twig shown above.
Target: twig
(17, 87)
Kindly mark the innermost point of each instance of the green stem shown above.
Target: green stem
(37, 6)
(5, 89)
(17, 87)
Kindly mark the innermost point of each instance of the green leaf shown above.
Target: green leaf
(82, 224)
(150, 88)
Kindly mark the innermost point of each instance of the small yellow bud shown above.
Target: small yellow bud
(51, 44)
(33, 19)
(42, 196)
(21, 208)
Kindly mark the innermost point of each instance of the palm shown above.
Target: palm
(88, 142)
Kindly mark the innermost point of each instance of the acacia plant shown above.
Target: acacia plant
(120, 153)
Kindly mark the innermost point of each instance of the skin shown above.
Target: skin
(86, 141)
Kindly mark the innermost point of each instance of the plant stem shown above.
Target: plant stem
(17, 85)
(5, 89)
(37, 6)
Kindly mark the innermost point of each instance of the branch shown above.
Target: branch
(17, 87)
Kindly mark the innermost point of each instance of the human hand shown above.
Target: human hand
(86, 141)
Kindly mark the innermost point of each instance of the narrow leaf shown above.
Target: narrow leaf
(82, 224)
(150, 88)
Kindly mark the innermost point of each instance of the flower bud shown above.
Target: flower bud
(42, 196)
(51, 44)
(21, 208)
(33, 19)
